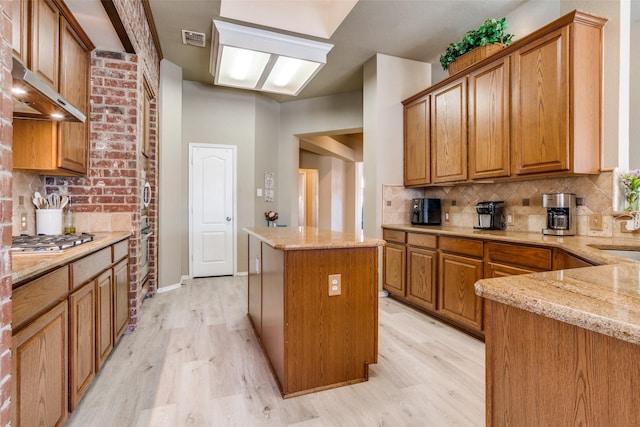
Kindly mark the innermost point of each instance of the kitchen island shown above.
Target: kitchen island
(313, 303)
(563, 347)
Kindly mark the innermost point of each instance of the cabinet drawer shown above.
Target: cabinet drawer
(424, 240)
(525, 256)
(461, 246)
(89, 267)
(33, 298)
(120, 250)
(394, 236)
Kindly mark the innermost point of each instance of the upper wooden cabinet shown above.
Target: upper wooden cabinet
(417, 141)
(449, 132)
(489, 139)
(533, 109)
(57, 50)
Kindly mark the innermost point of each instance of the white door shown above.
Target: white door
(212, 224)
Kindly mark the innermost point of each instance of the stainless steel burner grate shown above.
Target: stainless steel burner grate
(48, 243)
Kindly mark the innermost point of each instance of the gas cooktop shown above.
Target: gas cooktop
(48, 243)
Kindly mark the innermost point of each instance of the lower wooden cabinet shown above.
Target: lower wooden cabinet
(421, 276)
(457, 298)
(39, 370)
(121, 297)
(82, 341)
(394, 268)
(104, 317)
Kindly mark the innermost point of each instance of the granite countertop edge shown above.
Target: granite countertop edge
(306, 238)
(26, 266)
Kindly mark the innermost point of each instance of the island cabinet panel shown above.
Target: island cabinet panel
(417, 141)
(460, 266)
(330, 339)
(255, 285)
(449, 132)
(489, 133)
(273, 310)
(543, 372)
(39, 371)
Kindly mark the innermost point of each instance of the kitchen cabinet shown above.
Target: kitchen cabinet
(39, 349)
(506, 259)
(254, 300)
(316, 337)
(45, 41)
(489, 133)
(104, 317)
(59, 52)
(39, 370)
(82, 342)
(121, 297)
(417, 143)
(557, 101)
(460, 266)
(449, 132)
(422, 262)
(20, 25)
(394, 260)
(563, 260)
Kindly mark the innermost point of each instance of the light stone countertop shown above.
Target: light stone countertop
(604, 299)
(302, 238)
(26, 266)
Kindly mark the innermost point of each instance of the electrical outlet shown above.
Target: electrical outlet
(595, 222)
(446, 217)
(23, 221)
(335, 284)
(509, 218)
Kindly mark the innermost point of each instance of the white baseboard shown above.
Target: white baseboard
(241, 273)
(383, 294)
(169, 288)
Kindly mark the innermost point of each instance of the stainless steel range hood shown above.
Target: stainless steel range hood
(34, 99)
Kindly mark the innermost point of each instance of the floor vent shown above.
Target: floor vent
(193, 38)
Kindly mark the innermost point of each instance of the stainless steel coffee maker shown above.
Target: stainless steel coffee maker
(561, 214)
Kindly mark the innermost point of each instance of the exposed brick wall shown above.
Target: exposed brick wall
(134, 20)
(6, 206)
(152, 178)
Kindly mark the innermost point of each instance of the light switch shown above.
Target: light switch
(259, 192)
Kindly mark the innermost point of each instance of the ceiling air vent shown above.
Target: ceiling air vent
(193, 38)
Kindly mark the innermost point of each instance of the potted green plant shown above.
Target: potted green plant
(491, 33)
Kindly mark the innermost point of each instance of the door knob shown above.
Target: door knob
(228, 218)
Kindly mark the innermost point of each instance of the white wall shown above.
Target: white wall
(320, 116)
(229, 117)
(169, 240)
(634, 92)
(387, 82)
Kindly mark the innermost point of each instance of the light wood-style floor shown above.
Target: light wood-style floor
(194, 361)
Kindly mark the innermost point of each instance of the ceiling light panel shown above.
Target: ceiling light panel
(280, 63)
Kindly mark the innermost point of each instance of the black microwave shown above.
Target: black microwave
(426, 212)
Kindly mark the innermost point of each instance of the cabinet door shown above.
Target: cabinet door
(20, 26)
(394, 268)
(121, 297)
(489, 142)
(421, 277)
(417, 150)
(501, 270)
(104, 317)
(39, 371)
(74, 80)
(456, 294)
(82, 341)
(540, 121)
(45, 39)
(449, 132)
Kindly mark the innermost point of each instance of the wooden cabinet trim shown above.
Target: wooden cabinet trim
(422, 240)
(469, 247)
(36, 296)
(120, 250)
(89, 267)
(394, 236)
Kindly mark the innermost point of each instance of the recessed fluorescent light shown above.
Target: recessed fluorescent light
(250, 58)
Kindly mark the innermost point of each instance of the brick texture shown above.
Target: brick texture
(6, 206)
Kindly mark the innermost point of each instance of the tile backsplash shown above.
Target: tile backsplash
(25, 184)
(523, 200)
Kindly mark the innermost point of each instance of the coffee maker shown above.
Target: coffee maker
(561, 214)
(491, 216)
